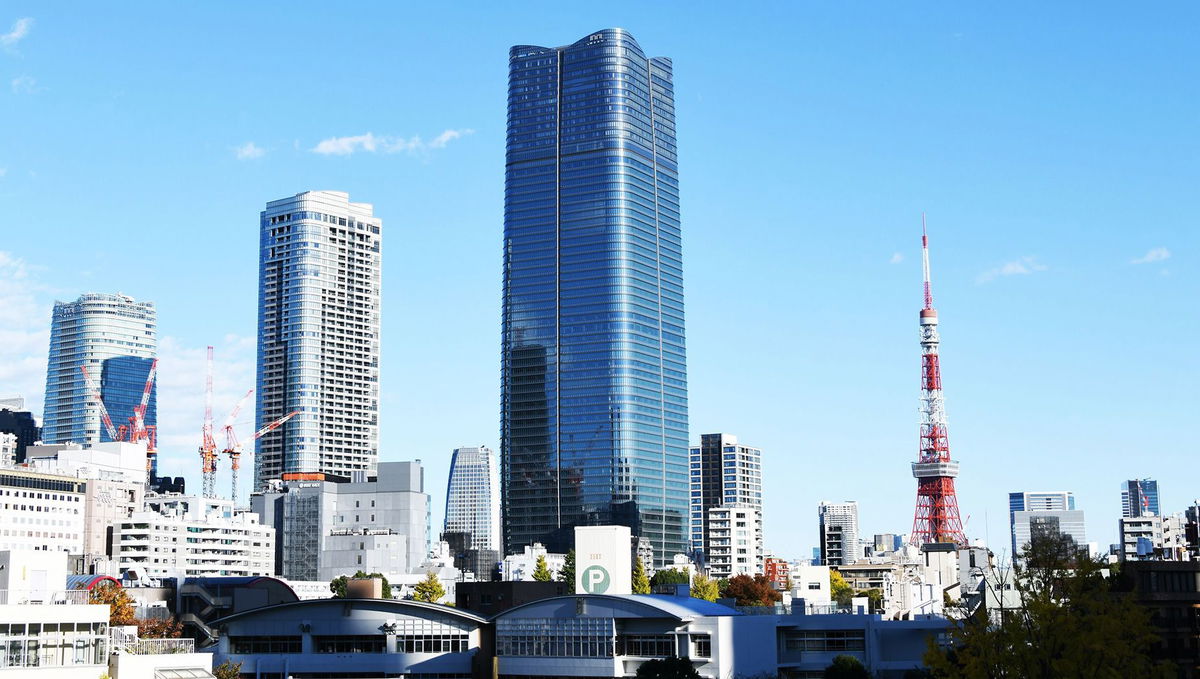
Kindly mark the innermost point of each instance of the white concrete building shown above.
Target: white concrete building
(838, 523)
(318, 335)
(330, 526)
(735, 544)
(1153, 537)
(188, 536)
(116, 484)
(42, 511)
(521, 566)
(811, 583)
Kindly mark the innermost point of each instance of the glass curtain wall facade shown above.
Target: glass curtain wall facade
(318, 336)
(594, 380)
(1139, 497)
(91, 331)
(473, 497)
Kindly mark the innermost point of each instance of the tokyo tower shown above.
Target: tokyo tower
(936, 518)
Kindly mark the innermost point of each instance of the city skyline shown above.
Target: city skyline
(1032, 303)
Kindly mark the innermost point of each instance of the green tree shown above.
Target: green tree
(338, 585)
(670, 667)
(228, 670)
(669, 576)
(120, 604)
(839, 590)
(704, 587)
(541, 572)
(567, 572)
(1060, 616)
(752, 591)
(874, 599)
(846, 667)
(641, 583)
(429, 590)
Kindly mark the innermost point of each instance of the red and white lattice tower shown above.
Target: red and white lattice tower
(936, 518)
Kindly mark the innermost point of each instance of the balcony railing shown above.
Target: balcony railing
(45, 597)
(123, 640)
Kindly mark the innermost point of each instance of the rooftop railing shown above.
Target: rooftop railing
(44, 597)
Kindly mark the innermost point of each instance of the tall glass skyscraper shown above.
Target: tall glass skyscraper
(318, 336)
(116, 337)
(1139, 497)
(594, 379)
(473, 497)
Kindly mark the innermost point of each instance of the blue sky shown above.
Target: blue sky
(1054, 149)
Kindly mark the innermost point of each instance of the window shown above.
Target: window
(646, 645)
(825, 640)
(433, 643)
(701, 646)
(288, 644)
(555, 637)
(364, 643)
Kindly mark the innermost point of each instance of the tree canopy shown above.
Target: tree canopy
(567, 572)
(839, 590)
(159, 628)
(641, 583)
(670, 667)
(338, 585)
(541, 572)
(1058, 616)
(752, 591)
(669, 576)
(429, 590)
(120, 604)
(846, 667)
(704, 587)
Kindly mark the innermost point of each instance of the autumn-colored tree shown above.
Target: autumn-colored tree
(567, 572)
(840, 590)
(752, 591)
(228, 670)
(541, 571)
(641, 583)
(120, 604)
(159, 628)
(704, 587)
(429, 590)
(1061, 618)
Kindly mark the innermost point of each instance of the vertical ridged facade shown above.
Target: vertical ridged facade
(318, 335)
(594, 380)
(116, 337)
(473, 497)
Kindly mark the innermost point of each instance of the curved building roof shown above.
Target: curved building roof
(89, 581)
(678, 607)
(395, 606)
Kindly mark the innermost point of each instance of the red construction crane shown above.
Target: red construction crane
(208, 446)
(137, 424)
(235, 451)
(232, 448)
(95, 393)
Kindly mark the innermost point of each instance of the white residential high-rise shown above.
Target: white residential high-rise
(187, 536)
(116, 338)
(839, 533)
(723, 472)
(318, 336)
(735, 541)
(473, 497)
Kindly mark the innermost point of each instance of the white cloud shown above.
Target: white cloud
(1154, 255)
(24, 84)
(3, 171)
(24, 331)
(371, 143)
(1018, 267)
(20, 29)
(249, 151)
(896, 258)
